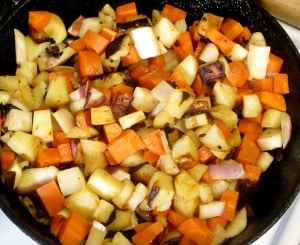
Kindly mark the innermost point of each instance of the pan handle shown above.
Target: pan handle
(7, 6)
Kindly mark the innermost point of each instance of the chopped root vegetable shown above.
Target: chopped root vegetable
(148, 235)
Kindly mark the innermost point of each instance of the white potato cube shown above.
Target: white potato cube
(42, 125)
(188, 68)
(210, 53)
(212, 209)
(143, 99)
(18, 120)
(97, 234)
(224, 94)
(270, 139)
(65, 119)
(271, 118)
(251, 106)
(103, 211)
(264, 160)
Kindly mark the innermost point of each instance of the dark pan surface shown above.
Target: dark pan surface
(278, 186)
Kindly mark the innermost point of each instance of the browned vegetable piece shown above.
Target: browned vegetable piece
(212, 72)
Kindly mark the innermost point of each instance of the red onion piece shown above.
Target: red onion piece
(226, 171)
(286, 128)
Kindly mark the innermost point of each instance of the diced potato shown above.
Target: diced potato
(257, 38)
(131, 119)
(271, 118)
(120, 239)
(134, 160)
(20, 47)
(187, 208)
(218, 187)
(167, 164)
(143, 99)
(225, 114)
(264, 160)
(212, 209)
(251, 106)
(82, 133)
(144, 173)
(124, 220)
(188, 68)
(56, 29)
(205, 193)
(238, 224)
(39, 92)
(197, 171)
(65, 119)
(108, 17)
(210, 53)
(186, 187)
(139, 194)
(27, 70)
(127, 190)
(103, 211)
(97, 234)
(224, 94)
(207, 21)
(42, 125)
(162, 119)
(102, 115)
(184, 150)
(11, 83)
(72, 175)
(195, 121)
(25, 145)
(238, 52)
(57, 92)
(270, 139)
(18, 120)
(34, 49)
(104, 185)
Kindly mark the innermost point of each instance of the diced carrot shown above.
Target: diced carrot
(126, 11)
(175, 218)
(112, 131)
(59, 138)
(107, 95)
(213, 222)
(198, 85)
(257, 119)
(89, 63)
(38, 20)
(70, 80)
(65, 152)
(153, 142)
(150, 157)
(223, 127)
(238, 74)
(121, 89)
(56, 224)
(231, 28)
(95, 41)
(252, 172)
(199, 47)
(7, 158)
(78, 45)
(51, 197)
(180, 82)
(74, 230)
(194, 31)
(206, 178)
(139, 71)
(152, 78)
(274, 64)
(149, 234)
(247, 126)
(230, 197)
(109, 34)
(196, 230)
(173, 13)
(83, 119)
(185, 240)
(183, 45)
(47, 157)
(281, 83)
(265, 84)
(157, 62)
(110, 158)
(245, 35)
(272, 100)
(204, 154)
(142, 226)
(132, 57)
(248, 151)
(220, 40)
(126, 144)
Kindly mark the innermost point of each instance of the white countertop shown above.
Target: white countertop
(285, 232)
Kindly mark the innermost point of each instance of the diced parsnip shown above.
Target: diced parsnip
(219, 235)
(16, 170)
(187, 208)
(214, 139)
(11, 83)
(34, 49)
(67, 53)
(124, 220)
(97, 234)
(212, 209)
(39, 92)
(72, 175)
(131, 119)
(205, 193)
(162, 119)
(197, 171)
(65, 119)
(104, 185)
(25, 144)
(144, 37)
(20, 47)
(238, 52)
(33, 178)
(257, 61)
(102, 115)
(161, 191)
(82, 133)
(144, 173)
(18, 120)
(103, 211)
(57, 92)
(184, 150)
(162, 91)
(210, 53)
(139, 194)
(186, 187)
(178, 103)
(238, 224)
(83, 202)
(271, 118)
(264, 160)
(258, 39)
(134, 160)
(167, 164)
(251, 106)
(27, 70)
(143, 99)
(207, 21)
(188, 68)
(195, 121)
(56, 29)
(108, 17)
(166, 32)
(42, 125)
(93, 155)
(120, 239)
(127, 190)
(270, 139)
(224, 94)
(225, 114)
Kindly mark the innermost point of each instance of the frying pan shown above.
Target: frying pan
(278, 186)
